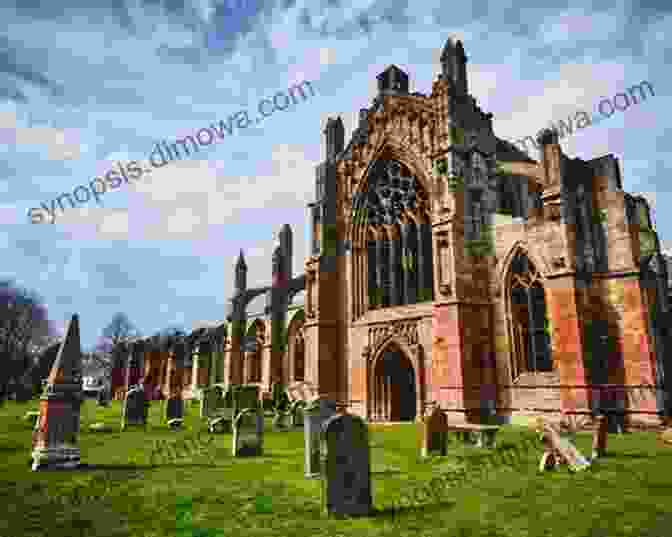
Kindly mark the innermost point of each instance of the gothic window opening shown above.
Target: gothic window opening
(299, 358)
(399, 252)
(529, 324)
(253, 356)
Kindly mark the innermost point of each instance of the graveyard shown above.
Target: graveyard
(126, 486)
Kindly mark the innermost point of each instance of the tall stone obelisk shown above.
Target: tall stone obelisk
(55, 436)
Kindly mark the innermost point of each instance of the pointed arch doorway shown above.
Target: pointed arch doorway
(394, 390)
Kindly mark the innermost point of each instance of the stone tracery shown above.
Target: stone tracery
(392, 237)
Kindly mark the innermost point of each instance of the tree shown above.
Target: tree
(41, 370)
(112, 348)
(24, 328)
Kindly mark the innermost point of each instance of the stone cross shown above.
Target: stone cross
(315, 414)
(248, 433)
(347, 469)
(55, 434)
(434, 433)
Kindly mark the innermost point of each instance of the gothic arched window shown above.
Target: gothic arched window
(399, 253)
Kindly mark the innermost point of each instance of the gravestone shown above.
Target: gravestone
(246, 397)
(346, 466)
(103, 398)
(55, 434)
(316, 413)
(218, 408)
(135, 409)
(296, 411)
(282, 421)
(211, 400)
(280, 398)
(434, 433)
(600, 437)
(174, 412)
(248, 433)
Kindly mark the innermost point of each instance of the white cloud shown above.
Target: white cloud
(60, 144)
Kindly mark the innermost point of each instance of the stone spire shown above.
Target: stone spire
(454, 65)
(335, 137)
(285, 237)
(66, 373)
(241, 272)
(55, 436)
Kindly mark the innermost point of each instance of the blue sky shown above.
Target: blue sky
(84, 87)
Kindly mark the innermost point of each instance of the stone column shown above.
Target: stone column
(195, 367)
(237, 333)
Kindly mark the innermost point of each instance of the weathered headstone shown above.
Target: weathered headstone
(248, 433)
(135, 409)
(104, 397)
(296, 411)
(282, 421)
(347, 470)
(175, 412)
(316, 413)
(246, 397)
(434, 433)
(211, 400)
(218, 408)
(281, 400)
(600, 437)
(55, 434)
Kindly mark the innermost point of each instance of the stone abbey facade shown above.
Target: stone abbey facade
(449, 267)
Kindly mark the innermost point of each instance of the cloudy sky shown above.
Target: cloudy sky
(83, 88)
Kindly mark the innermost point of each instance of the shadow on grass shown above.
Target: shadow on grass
(12, 448)
(84, 467)
(396, 512)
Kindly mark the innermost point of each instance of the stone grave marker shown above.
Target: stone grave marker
(248, 433)
(211, 400)
(246, 397)
(175, 412)
(600, 437)
(434, 433)
(296, 411)
(135, 409)
(103, 398)
(316, 413)
(282, 421)
(346, 466)
(55, 434)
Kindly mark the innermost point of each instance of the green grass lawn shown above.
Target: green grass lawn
(627, 494)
